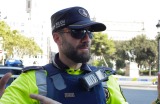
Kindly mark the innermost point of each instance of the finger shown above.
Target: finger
(43, 99)
(3, 82)
(37, 97)
(4, 79)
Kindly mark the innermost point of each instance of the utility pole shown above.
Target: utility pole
(158, 28)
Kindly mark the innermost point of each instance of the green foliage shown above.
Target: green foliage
(101, 63)
(121, 48)
(17, 44)
(120, 64)
(144, 49)
(120, 72)
(146, 72)
(98, 63)
(110, 64)
(102, 45)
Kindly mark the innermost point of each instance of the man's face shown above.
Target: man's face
(78, 50)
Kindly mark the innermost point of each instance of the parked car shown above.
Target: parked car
(14, 63)
(16, 71)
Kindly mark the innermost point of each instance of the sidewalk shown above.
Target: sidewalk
(141, 81)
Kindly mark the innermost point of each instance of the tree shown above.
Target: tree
(145, 50)
(102, 46)
(17, 44)
(24, 45)
(120, 54)
(121, 48)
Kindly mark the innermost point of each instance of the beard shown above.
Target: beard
(73, 54)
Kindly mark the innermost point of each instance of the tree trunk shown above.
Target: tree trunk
(149, 70)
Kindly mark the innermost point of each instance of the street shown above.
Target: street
(140, 95)
(141, 91)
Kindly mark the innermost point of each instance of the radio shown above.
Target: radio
(95, 77)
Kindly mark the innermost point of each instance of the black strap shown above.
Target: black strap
(51, 69)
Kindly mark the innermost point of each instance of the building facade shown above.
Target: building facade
(124, 30)
(28, 23)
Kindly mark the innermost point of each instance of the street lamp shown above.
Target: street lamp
(158, 38)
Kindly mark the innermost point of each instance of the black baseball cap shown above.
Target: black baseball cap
(75, 18)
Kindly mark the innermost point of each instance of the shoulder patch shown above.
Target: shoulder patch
(28, 68)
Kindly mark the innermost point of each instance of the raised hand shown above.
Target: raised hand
(3, 82)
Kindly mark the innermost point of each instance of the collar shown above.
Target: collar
(61, 65)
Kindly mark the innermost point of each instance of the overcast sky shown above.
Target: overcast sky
(104, 10)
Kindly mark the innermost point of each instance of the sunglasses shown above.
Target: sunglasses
(79, 34)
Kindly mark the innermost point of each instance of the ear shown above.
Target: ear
(57, 38)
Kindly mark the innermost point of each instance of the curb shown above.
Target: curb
(141, 79)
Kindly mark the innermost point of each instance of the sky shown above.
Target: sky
(147, 11)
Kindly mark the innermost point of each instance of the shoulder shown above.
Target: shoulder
(28, 68)
(103, 68)
(107, 69)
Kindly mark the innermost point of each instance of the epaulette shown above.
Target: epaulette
(108, 69)
(28, 68)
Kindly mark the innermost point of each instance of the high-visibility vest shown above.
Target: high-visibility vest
(114, 92)
(66, 88)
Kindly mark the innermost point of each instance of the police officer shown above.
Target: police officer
(61, 80)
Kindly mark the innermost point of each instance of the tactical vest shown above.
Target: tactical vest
(66, 88)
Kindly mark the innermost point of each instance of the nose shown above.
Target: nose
(86, 38)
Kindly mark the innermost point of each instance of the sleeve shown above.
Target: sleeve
(20, 89)
(115, 93)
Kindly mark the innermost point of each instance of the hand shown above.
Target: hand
(3, 82)
(43, 99)
(158, 86)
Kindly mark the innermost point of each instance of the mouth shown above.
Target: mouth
(84, 46)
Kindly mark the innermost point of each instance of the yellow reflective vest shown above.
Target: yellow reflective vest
(20, 89)
(115, 92)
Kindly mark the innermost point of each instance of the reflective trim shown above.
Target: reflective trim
(58, 82)
(41, 82)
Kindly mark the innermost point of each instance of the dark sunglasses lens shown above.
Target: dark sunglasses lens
(90, 34)
(79, 34)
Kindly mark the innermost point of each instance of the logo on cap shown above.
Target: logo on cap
(59, 24)
(83, 12)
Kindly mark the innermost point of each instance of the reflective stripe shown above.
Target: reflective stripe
(58, 82)
(41, 82)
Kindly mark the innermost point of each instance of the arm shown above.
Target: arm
(115, 93)
(3, 82)
(19, 90)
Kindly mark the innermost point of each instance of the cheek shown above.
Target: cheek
(60, 41)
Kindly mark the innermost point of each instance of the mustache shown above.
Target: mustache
(84, 45)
